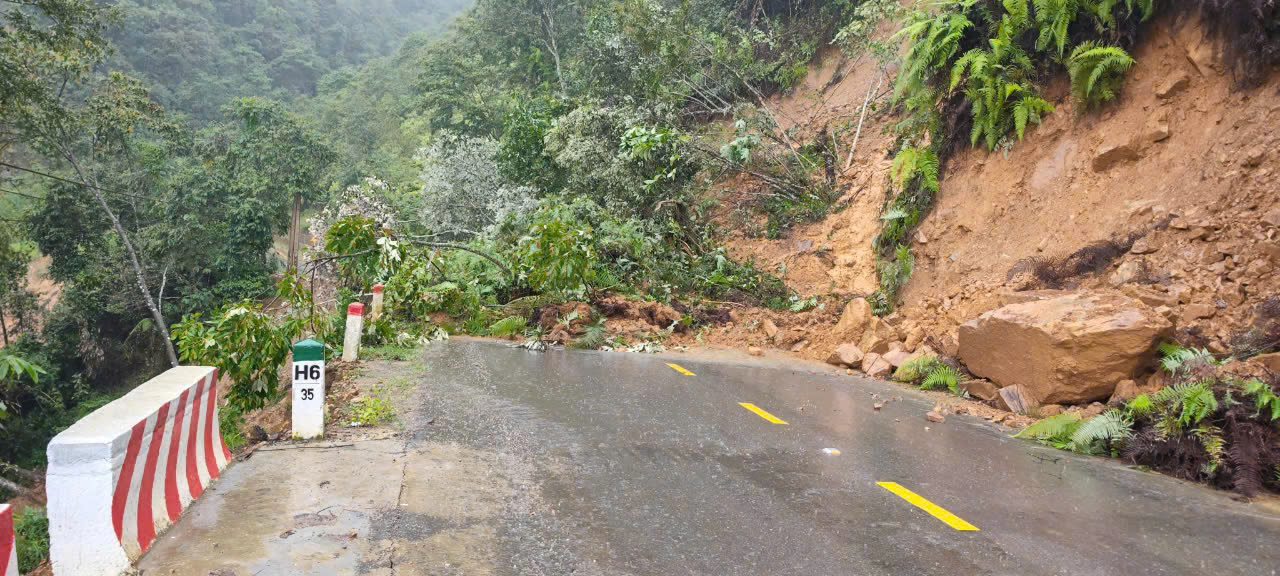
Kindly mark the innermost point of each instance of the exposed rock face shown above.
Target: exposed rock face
(981, 389)
(1115, 149)
(1068, 349)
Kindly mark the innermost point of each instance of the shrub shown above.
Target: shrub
(245, 344)
(558, 252)
(31, 529)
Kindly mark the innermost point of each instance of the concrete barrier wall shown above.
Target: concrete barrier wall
(121, 475)
(8, 545)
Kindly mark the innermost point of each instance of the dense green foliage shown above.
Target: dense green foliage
(200, 54)
(1207, 425)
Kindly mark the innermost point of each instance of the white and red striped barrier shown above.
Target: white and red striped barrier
(8, 544)
(124, 473)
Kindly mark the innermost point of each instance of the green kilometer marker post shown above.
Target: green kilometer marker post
(308, 389)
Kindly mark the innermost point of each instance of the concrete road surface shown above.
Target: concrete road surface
(514, 462)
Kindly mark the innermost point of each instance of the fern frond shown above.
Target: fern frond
(593, 335)
(1214, 444)
(916, 368)
(1096, 71)
(1053, 17)
(508, 326)
(1139, 407)
(1109, 429)
(1060, 427)
(941, 377)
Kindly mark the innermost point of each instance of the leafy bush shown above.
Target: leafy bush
(245, 344)
(31, 529)
(558, 253)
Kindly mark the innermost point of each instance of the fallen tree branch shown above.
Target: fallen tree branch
(863, 116)
(452, 246)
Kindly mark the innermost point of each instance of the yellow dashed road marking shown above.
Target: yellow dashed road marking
(761, 413)
(680, 369)
(919, 502)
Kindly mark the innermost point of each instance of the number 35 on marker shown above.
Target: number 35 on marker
(308, 398)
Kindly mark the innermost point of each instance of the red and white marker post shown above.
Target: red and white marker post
(355, 325)
(377, 302)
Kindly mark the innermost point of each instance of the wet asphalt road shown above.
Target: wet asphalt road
(513, 462)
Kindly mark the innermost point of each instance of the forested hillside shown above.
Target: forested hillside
(589, 173)
(197, 55)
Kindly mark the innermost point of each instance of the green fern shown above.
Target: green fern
(944, 376)
(593, 335)
(1175, 358)
(997, 83)
(1106, 431)
(1053, 17)
(933, 40)
(1140, 406)
(507, 326)
(1054, 430)
(1183, 404)
(917, 368)
(915, 164)
(1214, 444)
(1104, 11)
(1096, 72)
(1263, 397)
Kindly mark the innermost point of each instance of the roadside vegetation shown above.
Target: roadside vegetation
(1213, 422)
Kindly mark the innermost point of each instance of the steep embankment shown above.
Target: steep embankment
(1181, 165)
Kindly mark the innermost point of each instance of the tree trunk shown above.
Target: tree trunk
(547, 19)
(4, 328)
(292, 264)
(92, 185)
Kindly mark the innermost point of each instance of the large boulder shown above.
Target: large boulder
(878, 336)
(846, 355)
(853, 321)
(1068, 349)
(876, 366)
